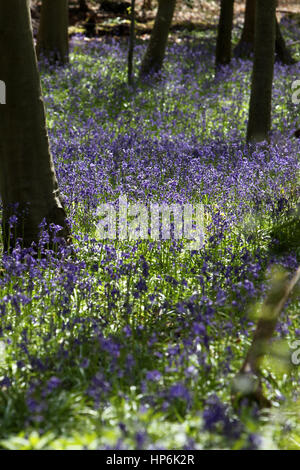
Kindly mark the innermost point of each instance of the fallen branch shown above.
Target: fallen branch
(293, 43)
(281, 10)
(247, 383)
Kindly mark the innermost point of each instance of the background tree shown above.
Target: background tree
(246, 44)
(153, 59)
(223, 49)
(259, 123)
(83, 6)
(27, 175)
(52, 40)
(283, 53)
(90, 24)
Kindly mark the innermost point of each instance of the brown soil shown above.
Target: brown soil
(203, 15)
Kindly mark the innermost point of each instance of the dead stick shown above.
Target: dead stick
(293, 43)
(270, 312)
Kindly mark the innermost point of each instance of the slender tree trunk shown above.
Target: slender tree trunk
(83, 6)
(283, 54)
(153, 59)
(52, 40)
(131, 44)
(259, 123)
(245, 46)
(90, 24)
(223, 49)
(28, 182)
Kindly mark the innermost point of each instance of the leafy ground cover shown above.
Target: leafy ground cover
(133, 344)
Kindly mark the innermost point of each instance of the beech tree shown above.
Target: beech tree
(28, 183)
(223, 49)
(259, 123)
(52, 40)
(83, 6)
(246, 44)
(283, 53)
(154, 56)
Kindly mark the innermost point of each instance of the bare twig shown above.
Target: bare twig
(293, 43)
(247, 383)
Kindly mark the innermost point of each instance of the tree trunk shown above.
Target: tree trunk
(283, 54)
(223, 49)
(131, 43)
(259, 124)
(246, 44)
(83, 6)
(153, 59)
(52, 40)
(28, 182)
(245, 47)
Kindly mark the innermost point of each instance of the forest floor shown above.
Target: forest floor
(202, 15)
(133, 344)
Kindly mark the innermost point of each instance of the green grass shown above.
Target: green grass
(70, 303)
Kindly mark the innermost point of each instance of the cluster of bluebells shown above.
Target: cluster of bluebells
(105, 317)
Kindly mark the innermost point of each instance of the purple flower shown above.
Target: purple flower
(6, 382)
(153, 375)
(53, 383)
(214, 413)
(178, 390)
(84, 363)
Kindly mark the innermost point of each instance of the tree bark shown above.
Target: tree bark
(223, 49)
(246, 44)
(259, 123)
(283, 54)
(28, 181)
(245, 47)
(83, 6)
(52, 40)
(153, 59)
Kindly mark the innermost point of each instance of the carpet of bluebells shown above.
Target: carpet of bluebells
(133, 344)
